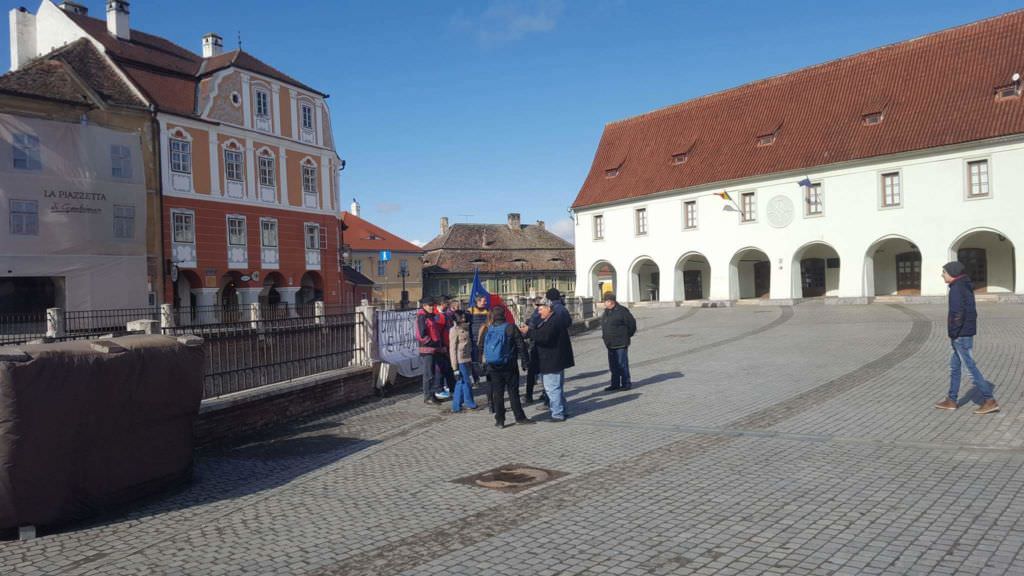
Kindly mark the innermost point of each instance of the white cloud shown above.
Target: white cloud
(419, 243)
(564, 228)
(507, 20)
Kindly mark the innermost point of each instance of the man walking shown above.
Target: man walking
(962, 322)
(554, 355)
(501, 344)
(617, 327)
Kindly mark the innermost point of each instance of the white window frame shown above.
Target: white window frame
(124, 222)
(641, 221)
(239, 171)
(310, 189)
(180, 158)
(271, 230)
(598, 224)
(748, 216)
(25, 148)
(696, 213)
(24, 217)
(307, 227)
(233, 237)
(807, 200)
(303, 107)
(257, 93)
(268, 173)
(969, 181)
(382, 268)
(120, 161)
(187, 216)
(882, 175)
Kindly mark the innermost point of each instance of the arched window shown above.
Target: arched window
(310, 190)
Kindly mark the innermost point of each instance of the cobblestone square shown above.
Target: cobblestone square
(756, 440)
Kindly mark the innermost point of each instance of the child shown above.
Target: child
(461, 350)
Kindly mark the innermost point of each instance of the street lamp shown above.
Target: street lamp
(403, 272)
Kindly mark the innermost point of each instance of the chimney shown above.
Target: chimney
(444, 225)
(513, 221)
(354, 208)
(213, 45)
(117, 19)
(74, 8)
(23, 37)
(540, 224)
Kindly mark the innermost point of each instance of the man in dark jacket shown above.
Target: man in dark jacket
(504, 376)
(962, 326)
(617, 327)
(554, 355)
(430, 327)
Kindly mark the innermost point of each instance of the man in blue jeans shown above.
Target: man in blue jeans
(554, 354)
(617, 327)
(962, 326)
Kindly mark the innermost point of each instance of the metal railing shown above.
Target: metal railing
(249, 354)
(22, 327)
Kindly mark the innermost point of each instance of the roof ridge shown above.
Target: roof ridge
(672, 107)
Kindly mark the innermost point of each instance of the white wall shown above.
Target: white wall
(934, 214)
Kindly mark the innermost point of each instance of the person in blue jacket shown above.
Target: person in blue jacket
(962, 326)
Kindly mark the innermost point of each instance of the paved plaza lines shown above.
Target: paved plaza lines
(788, 440)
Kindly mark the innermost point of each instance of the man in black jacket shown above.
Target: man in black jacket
(554, 355)
(962, 326)
(502, 373)
(617, 327)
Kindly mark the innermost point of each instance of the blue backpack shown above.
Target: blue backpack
(497, 347)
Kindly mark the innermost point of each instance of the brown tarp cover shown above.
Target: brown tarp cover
(82, 429)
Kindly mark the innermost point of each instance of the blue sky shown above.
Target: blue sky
(472, 110)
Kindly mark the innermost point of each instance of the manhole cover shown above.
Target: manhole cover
(511, 477)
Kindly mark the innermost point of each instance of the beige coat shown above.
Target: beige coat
(460, 345)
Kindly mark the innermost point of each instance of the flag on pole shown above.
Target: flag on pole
(805, 183)
(491, 300)
(724, 195)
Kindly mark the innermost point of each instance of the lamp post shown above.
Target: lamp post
(403, 272)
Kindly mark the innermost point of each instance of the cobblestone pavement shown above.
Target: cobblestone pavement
(756, 440)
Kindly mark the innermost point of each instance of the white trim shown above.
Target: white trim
(282, 197)
(215, 188)
(743, 215)
(242, 133)
(293, 107)
(636, 221)
(276, 176)
(246, 102)
(275, 111)
(696, 213)
(216, 78)
(251, 183)
(593, 227)
(326, 168)
(319, 123)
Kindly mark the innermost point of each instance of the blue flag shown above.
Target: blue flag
(805, 183)
(478, 290)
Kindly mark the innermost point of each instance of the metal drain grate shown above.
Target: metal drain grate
(511, 478)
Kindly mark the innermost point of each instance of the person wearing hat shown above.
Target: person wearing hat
(554, 355)
(617, 327)
(962, 326)
(429, 333)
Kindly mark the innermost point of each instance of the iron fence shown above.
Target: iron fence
(98, 322)
(250, 354)
(22, 327)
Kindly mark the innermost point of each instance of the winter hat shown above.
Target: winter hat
(553, 294)
(609, 297)
(954, 268)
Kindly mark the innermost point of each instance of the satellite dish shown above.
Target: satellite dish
(1016, 77)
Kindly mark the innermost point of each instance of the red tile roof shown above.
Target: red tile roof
(365, 236)
(166, 72)
(934, 91)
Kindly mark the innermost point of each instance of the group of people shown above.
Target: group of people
(457, 347)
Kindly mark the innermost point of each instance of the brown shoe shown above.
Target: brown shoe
(988, 407)
(946, 404)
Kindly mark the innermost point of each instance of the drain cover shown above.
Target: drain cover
(511, 478)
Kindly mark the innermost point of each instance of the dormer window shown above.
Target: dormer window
(766, 139)
(1008, 91)
(873, 118)
(611, 173)
(679, 158)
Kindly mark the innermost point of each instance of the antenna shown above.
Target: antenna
(239, 40)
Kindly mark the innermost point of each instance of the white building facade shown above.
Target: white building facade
(902, 197)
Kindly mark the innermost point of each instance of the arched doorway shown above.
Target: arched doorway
(602, 280)
(892, 267)
(988, 256)
(310, 290)
(228, 297)
(185, 296)
(693, 277)
(750, 275)
(646, 279)
(270, 296)
(815, 271)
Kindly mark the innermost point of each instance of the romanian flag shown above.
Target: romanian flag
(492, 299)
(724, 195)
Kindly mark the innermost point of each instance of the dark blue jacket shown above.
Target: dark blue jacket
(561, 313)
(963, 316)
